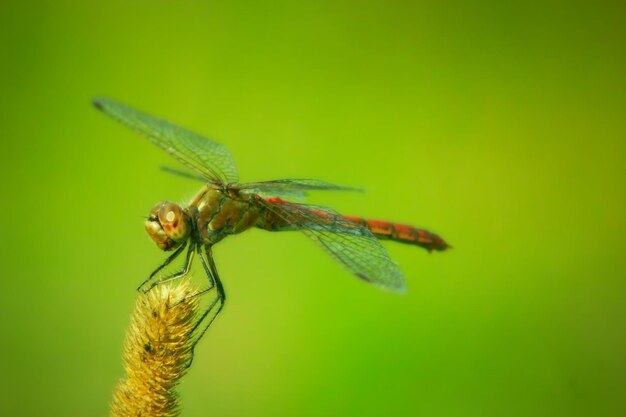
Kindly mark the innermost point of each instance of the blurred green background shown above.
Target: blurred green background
(500, 126)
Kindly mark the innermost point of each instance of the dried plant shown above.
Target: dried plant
(157, 351)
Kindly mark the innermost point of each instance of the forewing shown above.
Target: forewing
(287, 185)
(351, 244)
(290, 188)
(209, 159)
(183, 174)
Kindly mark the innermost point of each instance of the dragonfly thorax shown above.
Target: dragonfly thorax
(168, 225)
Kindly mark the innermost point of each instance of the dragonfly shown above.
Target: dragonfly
(224, 207)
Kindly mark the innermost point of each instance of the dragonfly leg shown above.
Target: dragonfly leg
(182, 272)
(163, 265)
(216, 305)
(209, 275)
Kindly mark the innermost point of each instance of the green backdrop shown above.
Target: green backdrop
(499, 125)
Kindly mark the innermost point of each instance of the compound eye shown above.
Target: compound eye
(170, 213)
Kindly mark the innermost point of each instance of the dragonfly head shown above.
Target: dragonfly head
(168, 225)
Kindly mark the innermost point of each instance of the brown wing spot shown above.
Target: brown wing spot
(363, 277)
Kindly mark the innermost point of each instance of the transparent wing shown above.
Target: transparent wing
(351, 244)
(183, 174)
(209, 159)
(293, 195)
(286, 186)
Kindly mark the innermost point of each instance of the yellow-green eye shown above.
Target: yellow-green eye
(168, 225)
(170, 213)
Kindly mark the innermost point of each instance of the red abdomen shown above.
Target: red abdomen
(402, 233)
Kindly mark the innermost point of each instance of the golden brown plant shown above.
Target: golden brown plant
(157, 351)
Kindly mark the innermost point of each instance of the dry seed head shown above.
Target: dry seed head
(157, 350)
